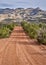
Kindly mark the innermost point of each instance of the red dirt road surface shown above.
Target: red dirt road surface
(19, 49)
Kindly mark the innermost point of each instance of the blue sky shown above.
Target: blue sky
(23, 4)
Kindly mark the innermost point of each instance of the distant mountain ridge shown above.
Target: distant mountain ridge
(31, 11)
(8, 10)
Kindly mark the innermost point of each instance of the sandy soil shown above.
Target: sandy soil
(19, 49)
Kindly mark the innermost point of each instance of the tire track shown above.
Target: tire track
(19, 49)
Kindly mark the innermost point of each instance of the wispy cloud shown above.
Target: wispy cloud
(5, 4)
(22, 2)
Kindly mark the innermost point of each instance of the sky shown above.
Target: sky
(23, 4)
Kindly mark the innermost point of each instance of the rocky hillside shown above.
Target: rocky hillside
(19, 14)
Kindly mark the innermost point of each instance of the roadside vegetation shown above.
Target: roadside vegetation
(6, 29)
(35, 31)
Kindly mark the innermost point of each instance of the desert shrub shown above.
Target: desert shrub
(4, 32)
(30, 29)
(36, 31)
(32, 33)
(42, 36)
(6, 29)
(10, 26)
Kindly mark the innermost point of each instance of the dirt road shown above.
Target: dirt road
(19, 49)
